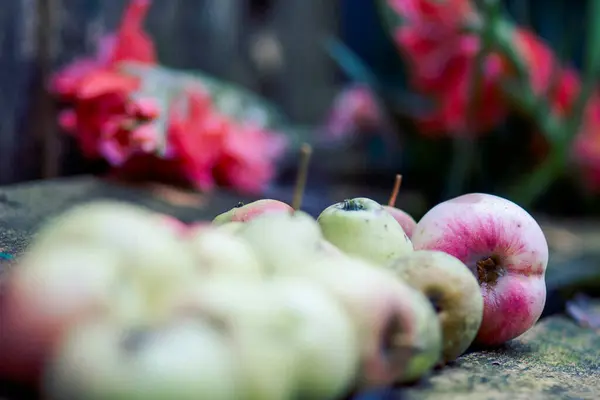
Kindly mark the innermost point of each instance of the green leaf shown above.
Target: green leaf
(390, 18)
(529, 188)
(350, 63)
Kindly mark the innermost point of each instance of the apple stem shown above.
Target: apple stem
(395, 190)
(305, 154)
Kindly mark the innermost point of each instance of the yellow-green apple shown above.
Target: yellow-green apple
(361, 227)
(453, 291)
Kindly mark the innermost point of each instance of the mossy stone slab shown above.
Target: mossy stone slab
(556, 359)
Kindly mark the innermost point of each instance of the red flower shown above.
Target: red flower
(100, 93)
(211, 147)
(249, 154)
(196, 134)
(132, 43)
(441, 58)
(537, 57)
(561, 87)
(111, 120)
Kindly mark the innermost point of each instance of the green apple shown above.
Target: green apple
(398, 330)
(49, 290)
(218, 252)
(363, 228)
(298, 331)
(231, 227)
(452, 289)
(326, 339)
(183, 360)
(153, 259)
(284, 241)
(259, 330)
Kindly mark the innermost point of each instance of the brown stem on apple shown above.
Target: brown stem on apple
(395, 190)
(489, 270)
(305, 154)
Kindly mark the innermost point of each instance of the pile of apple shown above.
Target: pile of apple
(113, 301)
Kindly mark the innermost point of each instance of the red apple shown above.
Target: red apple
(504, 247)
(180, 228)
(406, 221)
(246, 212)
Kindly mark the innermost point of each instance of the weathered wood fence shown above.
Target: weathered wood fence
(273, 47)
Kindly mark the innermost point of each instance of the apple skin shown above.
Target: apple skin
(231, 227)
(180, 360)
(506, 250)
(362, 228)
(286, 326)
(284, 241)
(173, 224)
(247, 212)
(406, 221)
(154, 261)
(218, 252)
(180, 228)
(399, 333)
(452, 289)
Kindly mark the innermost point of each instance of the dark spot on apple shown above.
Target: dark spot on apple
(352, 205)
(435, 297)
(388, 336)
(239, 205)
(135, 339)
(518, 225)
(489, 270)
(395, 346)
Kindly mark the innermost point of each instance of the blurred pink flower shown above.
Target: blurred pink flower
(248, 159)
(111, 120)
(121, 139)
(354, 110)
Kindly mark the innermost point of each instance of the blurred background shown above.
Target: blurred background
(456, 96)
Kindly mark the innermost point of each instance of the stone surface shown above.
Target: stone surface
(555, 360)
(24, 207)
